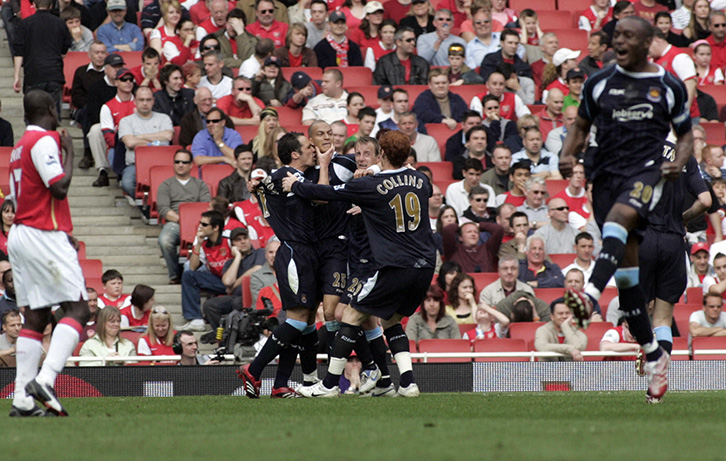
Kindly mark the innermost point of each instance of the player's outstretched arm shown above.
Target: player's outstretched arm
(59, 189)
(575, 141)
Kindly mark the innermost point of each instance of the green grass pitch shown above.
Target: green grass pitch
(559, 426)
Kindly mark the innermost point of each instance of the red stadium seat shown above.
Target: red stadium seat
(189, 214)
(574, 6)
(316, 73)
(519, 5)
(594, 333)
(5, 180)
(715, 133)
(132, 336)
(694, 295)
(441, 133)
(5, 153)
(148, 157)
(525, 331)
(72, 61)
(555, 19)
(248, 132)
(500, 345)
(718, 92)
(699, 344)
(464, 327)
(369, 93)
(607, 295)
(288, 116)
(555, 186)
(680, 344)
(157, 175)
(247, 291)
(445, 345)
(445, 183)
(467, 92)
(681, 313)
(355, 76)
(96, 283)
(574, 39)
(131, 58)
(549, 294)
(562, 259)
(214, 172)
(440, 170)
(91, 268)
(482, 279)
(413, 92)
(81, 250)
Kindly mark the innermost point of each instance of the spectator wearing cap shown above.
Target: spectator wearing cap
(85, 78)
(597, 45)
(575, 79)
(196, 120)
(555, 73)
(368, 33)
(332, 104)
(402, 67)
(509, 42)
(234, 186)
(462, 245)
(434, 46)
(385, 106)
(266, 26)
(438, 104)
(269, 85)
(303, 89)
(241, 106)
(143, 127)
(102, 136)
(216, 143)
(336, 50)
(41, 41)
(295, 53)
(318, 24)
(458, 72)
(235, 43)
(117, 34)
(384, 44)
(550, 117)
(560, 334)
(173, 99)
(700, 267)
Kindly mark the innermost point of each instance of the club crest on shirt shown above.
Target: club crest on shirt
(654, 94)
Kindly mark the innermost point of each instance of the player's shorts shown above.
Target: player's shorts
(333, 269)
(393, 290)
(641, 191)
(663, 266)
(45, 267)
(296, 265)
(357, 276)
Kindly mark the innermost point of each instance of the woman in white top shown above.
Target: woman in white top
(107, 342)
(170, 16)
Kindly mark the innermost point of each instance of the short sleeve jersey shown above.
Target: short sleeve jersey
(633, 113)
(395, 210)
(291, 217)
(667, 216)
(35, 164)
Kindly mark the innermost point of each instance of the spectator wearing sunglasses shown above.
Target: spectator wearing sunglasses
(266, 26)
(558, 235)
(402, 67)
(181, 188)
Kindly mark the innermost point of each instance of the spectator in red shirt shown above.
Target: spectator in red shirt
(147, 74)
(551, 116)
(266, 26)
(647, 9)
(137, 314)
(159, 336)
(241, 106)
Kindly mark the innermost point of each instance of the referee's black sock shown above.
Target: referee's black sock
(398, 343)
(345, 341)
(284, 335)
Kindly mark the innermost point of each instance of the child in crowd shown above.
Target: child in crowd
(137, 313)
(490, 323)
(192, 75)
(458, 72)
(113, 285)
(575, 79)
(530, 32)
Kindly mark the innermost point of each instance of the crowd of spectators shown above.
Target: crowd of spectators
(211, 69)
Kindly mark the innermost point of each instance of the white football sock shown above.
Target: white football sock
(28, 351)
(64, 340)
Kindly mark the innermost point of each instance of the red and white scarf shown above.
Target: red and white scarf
(341, 50)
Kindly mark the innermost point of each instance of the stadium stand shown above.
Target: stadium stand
(700, 344)
(500, 345)
(445, 345)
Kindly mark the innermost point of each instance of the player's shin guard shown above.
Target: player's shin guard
(380, 354)
(64, 340)
(345, 341)
(28, 351)
(664, 335)
(632, 303)
(331, 329)
(398, 342)
(284, 335)
(285, 366)
(613, 250)
(309, 351)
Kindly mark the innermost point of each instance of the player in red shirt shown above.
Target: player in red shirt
(45, 265)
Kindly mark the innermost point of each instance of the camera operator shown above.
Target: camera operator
(189, 349)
